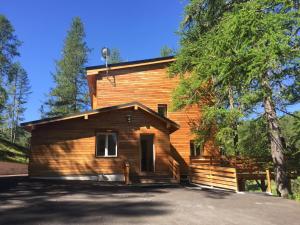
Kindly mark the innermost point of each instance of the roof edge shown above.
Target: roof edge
(121, 64)
(96, 111)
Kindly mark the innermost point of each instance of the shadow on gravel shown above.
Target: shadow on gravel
(25, 201)
(210, 192)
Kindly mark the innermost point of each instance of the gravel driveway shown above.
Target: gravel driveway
(24, 201)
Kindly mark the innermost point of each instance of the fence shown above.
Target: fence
(204, 173)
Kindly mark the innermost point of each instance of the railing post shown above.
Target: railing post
(173, 169)
(127, 172)
(178, 173)
(268, 176)
(236, 180)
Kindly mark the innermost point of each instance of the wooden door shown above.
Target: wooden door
(147, 153)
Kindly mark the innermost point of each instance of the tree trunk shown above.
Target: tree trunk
(277, 147)
(13, 110)
(234, 124)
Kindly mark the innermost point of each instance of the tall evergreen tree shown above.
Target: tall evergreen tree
(115, 56)
(166, 51)
(8, 51)
(18, 92)
(70, 93)
(248, 56)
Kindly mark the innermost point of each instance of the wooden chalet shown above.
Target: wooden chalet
(130, 134)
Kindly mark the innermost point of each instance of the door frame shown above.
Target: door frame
(153, 149)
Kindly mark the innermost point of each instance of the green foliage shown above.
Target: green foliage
(167, 51)
(115, 56)
(228, 51)
(8, 51)
(291, 131)
(18, 91)
(253, 138)
(12, 153)
(296, 189)
(14, 84)
(70, 93)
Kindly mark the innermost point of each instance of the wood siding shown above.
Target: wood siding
(68, 147)
(150, 85)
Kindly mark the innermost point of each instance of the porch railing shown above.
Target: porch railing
(205, 173)
(233, 172)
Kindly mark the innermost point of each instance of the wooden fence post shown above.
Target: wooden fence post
(236, 180)
(126, 172)
(268, 176)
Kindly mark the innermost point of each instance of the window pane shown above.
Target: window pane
(162, 109)
(101, 144)
(112, 143)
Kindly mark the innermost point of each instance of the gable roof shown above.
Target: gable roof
(170, 123)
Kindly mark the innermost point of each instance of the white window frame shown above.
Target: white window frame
(106, 144)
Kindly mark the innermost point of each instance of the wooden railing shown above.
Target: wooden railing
(214, 176)
(215, 171)
(175, 169)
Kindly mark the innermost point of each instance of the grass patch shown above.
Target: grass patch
(10, 152)
(252, 186)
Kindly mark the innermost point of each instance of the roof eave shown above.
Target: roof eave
(29, 126)
(95, 70)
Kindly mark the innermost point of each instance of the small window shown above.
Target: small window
(195, 150)
(106, 144)
(162, 109)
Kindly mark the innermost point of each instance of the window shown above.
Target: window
(106, 144)
(162, 109)
(195, 150)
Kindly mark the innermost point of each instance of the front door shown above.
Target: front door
(147, 153)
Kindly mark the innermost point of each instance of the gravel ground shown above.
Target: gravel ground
(24, 201)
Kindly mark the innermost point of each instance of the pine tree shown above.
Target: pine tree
(115, 56)
(18, 92)
(70, 93)
(247, 57)
(166, 51)
(8, 51)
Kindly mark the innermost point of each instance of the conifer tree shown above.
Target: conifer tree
(166, 51)
(243, 58)
(70, 93)
(8, 51)
(115, 56)
(18, 91)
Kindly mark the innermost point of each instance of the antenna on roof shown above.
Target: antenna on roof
(105, 52)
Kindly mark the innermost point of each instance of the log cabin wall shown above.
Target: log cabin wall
(68, 147)
(150, 85)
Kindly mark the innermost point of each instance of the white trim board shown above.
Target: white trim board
(99, 177)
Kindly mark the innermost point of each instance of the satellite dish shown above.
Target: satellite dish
(105, 52)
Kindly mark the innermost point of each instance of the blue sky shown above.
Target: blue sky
(138, 28)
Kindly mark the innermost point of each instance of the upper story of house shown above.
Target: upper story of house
(144, 81)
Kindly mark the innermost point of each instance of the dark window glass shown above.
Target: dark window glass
(112, 143)
(101, 143)
(195, 150)
(162, 109)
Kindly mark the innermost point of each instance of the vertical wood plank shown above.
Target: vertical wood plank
(268, 175)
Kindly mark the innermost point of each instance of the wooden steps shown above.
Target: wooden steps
(153, 179)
